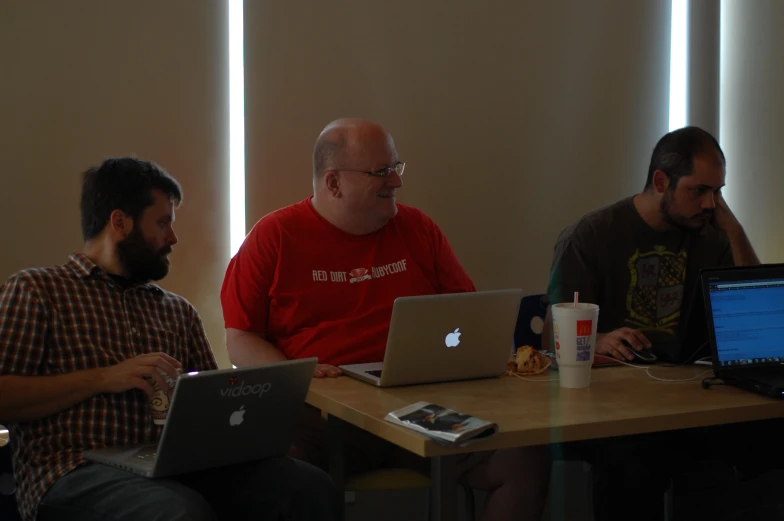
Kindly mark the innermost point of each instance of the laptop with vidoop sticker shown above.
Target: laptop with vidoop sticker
(221, 417)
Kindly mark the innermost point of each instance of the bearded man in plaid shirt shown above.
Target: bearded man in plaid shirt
(78, 345)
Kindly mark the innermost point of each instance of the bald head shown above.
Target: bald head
(342, 143)
(355, 176)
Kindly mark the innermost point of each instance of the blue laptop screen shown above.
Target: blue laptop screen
(748, 321)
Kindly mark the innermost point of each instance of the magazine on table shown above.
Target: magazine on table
(445, 426)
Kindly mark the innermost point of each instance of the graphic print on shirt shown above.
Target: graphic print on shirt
(360, 274)
(656, 289)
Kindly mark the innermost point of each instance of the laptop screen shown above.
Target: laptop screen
(748, 321)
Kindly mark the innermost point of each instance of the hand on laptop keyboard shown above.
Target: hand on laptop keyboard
(328, 371)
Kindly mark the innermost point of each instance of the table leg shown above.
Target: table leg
(443, 488)
(337, 458)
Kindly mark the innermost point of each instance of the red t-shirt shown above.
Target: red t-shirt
(313, 290)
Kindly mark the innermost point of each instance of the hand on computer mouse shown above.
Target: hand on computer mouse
(621, 343)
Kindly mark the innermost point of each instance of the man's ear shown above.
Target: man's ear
(120, 224)
(332, 182)
(661, 181)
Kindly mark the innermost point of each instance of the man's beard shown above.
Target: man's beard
(692, 223)
(141, 262)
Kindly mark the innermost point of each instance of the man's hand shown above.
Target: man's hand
(329, 371)
(132, 373)
(723, 218)
(612, 344)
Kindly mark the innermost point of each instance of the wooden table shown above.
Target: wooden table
(620, 401)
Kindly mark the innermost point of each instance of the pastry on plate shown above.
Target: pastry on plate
(528, 361)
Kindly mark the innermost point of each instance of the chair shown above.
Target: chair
(8, 507)
(530, 321)
(379, 479)
(401, 479)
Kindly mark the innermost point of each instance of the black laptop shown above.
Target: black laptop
(745, 312)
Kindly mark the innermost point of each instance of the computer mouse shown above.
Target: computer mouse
(644, 356)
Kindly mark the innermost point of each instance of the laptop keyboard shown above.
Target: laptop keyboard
(375, 372)
(145, 455)
(769, 377)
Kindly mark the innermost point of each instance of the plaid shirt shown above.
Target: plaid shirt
(76, 317)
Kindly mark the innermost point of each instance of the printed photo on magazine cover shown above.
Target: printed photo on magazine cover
(436, 418)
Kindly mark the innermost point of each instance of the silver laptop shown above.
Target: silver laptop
(222, 417)
(438, 338)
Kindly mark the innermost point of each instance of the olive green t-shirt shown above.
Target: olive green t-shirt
(640, 277)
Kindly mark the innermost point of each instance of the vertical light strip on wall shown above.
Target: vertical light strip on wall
(679, 64)
(730, 191)
(236, 127)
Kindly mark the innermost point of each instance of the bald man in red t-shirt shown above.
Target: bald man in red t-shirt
(319, 278)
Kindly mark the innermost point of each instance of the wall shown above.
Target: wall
(515, 118)
(752, 111)
(87, 79)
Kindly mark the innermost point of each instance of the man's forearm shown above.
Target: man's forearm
(28, 398)
(250, 349)
(743, 253)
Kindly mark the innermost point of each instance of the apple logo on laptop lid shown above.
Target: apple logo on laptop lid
(453, 338)
(237, 417)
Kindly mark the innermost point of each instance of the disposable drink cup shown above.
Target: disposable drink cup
(159, 404)
(574, 327)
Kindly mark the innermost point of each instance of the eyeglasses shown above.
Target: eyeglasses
(398, 169)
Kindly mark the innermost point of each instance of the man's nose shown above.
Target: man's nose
(394, 180)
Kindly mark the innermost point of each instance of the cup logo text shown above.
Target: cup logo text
(584, 327)
(584, 330)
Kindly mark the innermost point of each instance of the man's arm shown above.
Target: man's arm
(199, 356)
(24, 396)
(28, 398)
(23, 328)
(245, 300)
(246, 348)
(743, 253)
(575, 269)
(245, 297)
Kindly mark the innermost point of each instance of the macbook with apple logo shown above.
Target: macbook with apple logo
(221, 417)
(447, 337)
